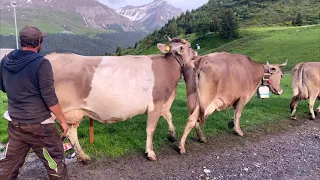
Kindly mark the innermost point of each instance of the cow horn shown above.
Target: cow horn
(285, 63)
(184, 41)
(268, 63)
(169, 39)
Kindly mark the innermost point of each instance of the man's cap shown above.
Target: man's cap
(31, 33)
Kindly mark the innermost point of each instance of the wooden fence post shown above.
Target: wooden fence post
(91, 131)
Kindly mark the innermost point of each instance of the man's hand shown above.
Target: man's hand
(56, 110)
(65, 128)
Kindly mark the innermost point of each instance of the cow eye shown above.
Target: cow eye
(273, 69)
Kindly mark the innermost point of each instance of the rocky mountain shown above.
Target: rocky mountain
(150, 16)
(65, 15)
(83, 16)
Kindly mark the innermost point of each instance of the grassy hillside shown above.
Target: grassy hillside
(274, 12)
(276, 44)
(50, 21)
(221, 16)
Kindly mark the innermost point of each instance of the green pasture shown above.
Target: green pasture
(276, 44)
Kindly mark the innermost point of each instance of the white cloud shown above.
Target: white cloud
(183, 4)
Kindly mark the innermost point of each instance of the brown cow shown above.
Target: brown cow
(220, 80)
(305, 85)
(115, 88)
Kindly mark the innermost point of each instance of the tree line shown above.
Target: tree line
(83, 44)
(224, 17)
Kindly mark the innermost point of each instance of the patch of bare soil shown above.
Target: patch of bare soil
(283, 150)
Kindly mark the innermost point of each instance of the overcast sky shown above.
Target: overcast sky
(182, 4)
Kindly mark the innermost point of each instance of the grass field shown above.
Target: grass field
(50, 21)
(276, 44)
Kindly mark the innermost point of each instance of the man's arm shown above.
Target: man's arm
(1, 82)
(47, 90)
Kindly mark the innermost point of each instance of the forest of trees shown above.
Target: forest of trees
(224, 17)
(100, 44)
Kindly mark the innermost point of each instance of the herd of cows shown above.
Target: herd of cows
(114, 88)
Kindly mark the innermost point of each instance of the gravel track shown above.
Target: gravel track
(286, 150)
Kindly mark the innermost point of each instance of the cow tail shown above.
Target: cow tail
(303, 91)
(201, 108)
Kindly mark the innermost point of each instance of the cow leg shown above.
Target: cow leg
(237, 115)
(153, 118)
(172, 129)
(168, 116)
(200, 135)
(190, 124)
(74, 118)
(73, 137)
(318, 109)
(293, 106)
(312, 100)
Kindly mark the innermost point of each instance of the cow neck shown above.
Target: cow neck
(180, 61)
(266, 75)
(177, 63)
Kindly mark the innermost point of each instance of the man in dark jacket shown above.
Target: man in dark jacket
(27, 79)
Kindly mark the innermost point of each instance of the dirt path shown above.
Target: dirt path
(287, 150)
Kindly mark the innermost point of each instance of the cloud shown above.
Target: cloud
(183, 4)
(115, 2)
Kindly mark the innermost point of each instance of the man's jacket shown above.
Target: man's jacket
(27, 79)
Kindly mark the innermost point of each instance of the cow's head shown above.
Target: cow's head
(180, 48)
(275, 77)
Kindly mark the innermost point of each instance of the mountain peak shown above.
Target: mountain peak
(150, 16)
(87, 13)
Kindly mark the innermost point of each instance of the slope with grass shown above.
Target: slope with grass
(50, 21)
(275, 44)
(214, 17)
(278, 44)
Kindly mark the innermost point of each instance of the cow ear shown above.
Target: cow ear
(163, 48)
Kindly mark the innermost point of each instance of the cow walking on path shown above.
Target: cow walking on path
(305, 85)
(115, 88)
(220, 80)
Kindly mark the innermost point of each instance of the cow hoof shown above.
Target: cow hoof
(312, 117)
(202, 140)
(294, 117)
(171, 136)
(152, 156)
(239, 132)
(230, 124)
(86, 160)
(183, 151)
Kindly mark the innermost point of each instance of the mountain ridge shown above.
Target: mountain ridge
(81, 16)
(90, 14)
(150, 16)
